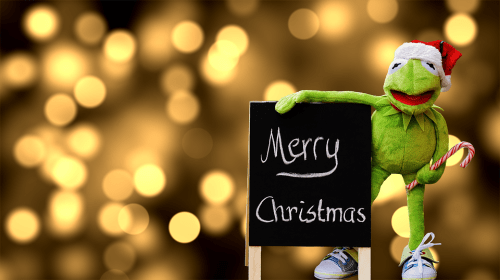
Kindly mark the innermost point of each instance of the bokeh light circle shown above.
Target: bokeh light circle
(90, 91)
(90, 28)
(60, 109)
(29, 151)
(41, 22)
(303, 24)
(454, 159)
(184, 227)
(22, 225)
(400, 222)
(336, 19)
(133, 219)
(66, 209)
(119, 255)
(118, 185)
(69, 173)
(120, 46)
(462, 6)
(84, 140)
(382, 11)
(213, 75)
(398, 243)
(19, 70)
(108, 218)
(183, 107)
(393, 185)
(460, 29)
(187, 36)
(223, 55)
(197, 143)
(215, 220)
(175, 78)
(278, 89)
(216, 187)
(149, 180)
(236, 35)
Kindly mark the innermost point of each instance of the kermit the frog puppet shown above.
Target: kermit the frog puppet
(407, 133)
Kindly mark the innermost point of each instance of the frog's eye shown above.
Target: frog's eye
(430, 67)
(396, 65)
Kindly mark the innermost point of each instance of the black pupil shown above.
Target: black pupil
(397, 64)
(431, 66)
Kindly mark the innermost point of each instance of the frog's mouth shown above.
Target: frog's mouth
(412, 99)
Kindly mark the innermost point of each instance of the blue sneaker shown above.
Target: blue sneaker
(339, 264)
(419, 263)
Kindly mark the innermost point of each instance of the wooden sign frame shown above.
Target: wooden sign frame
(253, 254)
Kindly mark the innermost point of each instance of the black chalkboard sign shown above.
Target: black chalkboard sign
(309, 175)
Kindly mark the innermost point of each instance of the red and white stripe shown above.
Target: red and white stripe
(452, 151)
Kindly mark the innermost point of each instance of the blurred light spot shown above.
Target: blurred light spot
(75, 261)
(462, 6)
(29, 151)
(116, 70)
(278, 89)
(22, 225)
(133, 219)
(436, 256)
(65, 212)
(63, 64)
(183, 107)
(197, 143)
(90, 28)
(380, 52)
(400, 222)
(60, 109)
(213, 75)
(114, 274)
(120, 46)
(216, 187)
(460, 29)
(184, 227)
(475, 273)
(335, 18)
(54, 153)
(215, 220)
(41, 22)
(175, 78)
(69, 173)
(90, 91)
(243, 226)
(149, 180)
(306, 258)
(382, 11)
(398, 243)
(490, 128)
(303, 24)
(242, 7)
(118, 185)
(187, 36)
(84, 140)
(108, 218)
(454, 159)
(154, 38)
(393, 185)
(19, 69)
(458, 210)
(159, 270)
(150, 241)
(119, 255)
(139, 157)
(223, 55)
(236, 35)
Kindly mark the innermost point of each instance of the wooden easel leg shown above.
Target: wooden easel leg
(364, 268)
(254, 262)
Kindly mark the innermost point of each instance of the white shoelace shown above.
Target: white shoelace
(416, 255)
(338, 253)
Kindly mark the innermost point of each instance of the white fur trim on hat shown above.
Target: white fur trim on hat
(427, 53)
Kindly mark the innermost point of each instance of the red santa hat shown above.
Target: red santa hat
(439, 53)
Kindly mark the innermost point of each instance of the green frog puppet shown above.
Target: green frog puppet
(407, 133)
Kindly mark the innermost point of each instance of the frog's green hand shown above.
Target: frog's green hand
(286, 103)
(425, 175)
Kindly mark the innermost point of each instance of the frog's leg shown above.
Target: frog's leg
(415, 202)
(378, 177)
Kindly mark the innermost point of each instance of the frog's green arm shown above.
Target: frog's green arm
(287, 102)
(425, 175)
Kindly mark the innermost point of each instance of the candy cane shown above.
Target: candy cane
(453, 150)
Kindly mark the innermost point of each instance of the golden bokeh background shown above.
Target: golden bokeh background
(124, 131)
